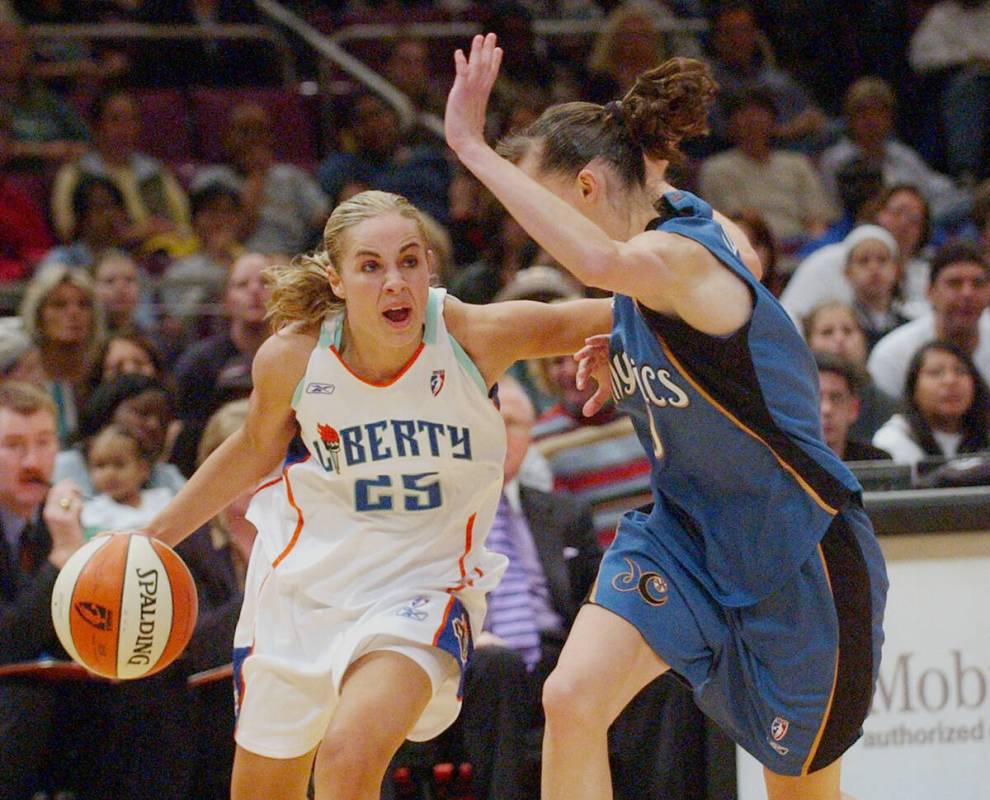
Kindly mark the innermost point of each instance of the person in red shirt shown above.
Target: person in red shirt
(24, 235)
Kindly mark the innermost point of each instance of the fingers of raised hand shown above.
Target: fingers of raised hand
(594, 403)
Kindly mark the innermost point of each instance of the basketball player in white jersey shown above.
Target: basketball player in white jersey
(368, 576)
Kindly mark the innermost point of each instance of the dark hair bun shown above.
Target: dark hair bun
(669, 103)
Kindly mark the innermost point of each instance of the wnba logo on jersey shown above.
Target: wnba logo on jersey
(655, 384)
(436, 381)
(778, 730)
(327, 448)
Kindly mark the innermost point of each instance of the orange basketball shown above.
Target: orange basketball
(124, 606)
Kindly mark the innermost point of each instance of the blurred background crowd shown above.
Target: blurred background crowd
(157, 155)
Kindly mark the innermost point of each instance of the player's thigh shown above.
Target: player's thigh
(258, 777)
(605, 662)
(822, 784)
(382, 696)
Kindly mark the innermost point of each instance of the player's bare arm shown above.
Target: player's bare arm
(253, 451)
(499, 334)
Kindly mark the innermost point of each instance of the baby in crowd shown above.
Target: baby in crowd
(119, 466)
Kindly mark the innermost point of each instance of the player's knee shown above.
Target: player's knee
(347, 760)
(568, 698)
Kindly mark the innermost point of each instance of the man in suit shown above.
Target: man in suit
(550, 542)
(102, 740)
(40, 531)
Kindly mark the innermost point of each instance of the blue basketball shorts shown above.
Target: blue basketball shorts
(789, 678)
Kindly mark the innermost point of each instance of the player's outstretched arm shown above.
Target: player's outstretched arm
(572, 239)
(667, 273)
(499, 334)
(253, 451)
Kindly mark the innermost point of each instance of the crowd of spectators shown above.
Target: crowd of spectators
(132, 251)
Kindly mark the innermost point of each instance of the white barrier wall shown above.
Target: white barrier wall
(927, 734)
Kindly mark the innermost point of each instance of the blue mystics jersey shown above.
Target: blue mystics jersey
(732, 427)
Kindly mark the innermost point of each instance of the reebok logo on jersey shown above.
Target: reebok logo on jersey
(320, 388)
(436, 381)
(411, 609)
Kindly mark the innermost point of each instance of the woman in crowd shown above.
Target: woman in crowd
(138, 403)
(127, 352)
(60, 314)
(946, 408)
(118, 291)
(833, 327)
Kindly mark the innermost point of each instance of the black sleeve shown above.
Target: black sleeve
(583, 567)
(212, 641)
(26, 628)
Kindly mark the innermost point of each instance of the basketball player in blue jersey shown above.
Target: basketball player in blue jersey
(368, 576)
(755, 576)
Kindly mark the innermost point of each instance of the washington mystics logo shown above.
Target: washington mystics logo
(436, 381)
(327, 447)
(651, 585)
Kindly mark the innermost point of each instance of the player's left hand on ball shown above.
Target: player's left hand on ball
(593, 364)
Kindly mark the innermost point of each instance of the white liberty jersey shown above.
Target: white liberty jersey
(400, 481)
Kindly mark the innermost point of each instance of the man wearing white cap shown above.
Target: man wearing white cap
(872, 270)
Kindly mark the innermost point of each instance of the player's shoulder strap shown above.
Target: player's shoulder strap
(678, 204)
(435, 333)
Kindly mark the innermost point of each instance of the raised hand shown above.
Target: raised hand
(464, 119)
(61, 512)
(593, 363)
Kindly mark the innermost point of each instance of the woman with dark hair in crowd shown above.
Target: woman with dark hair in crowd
(138, 403)
(100, 224)
(946, 408)
(118, 291)
(755, 575)
(125, 353)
